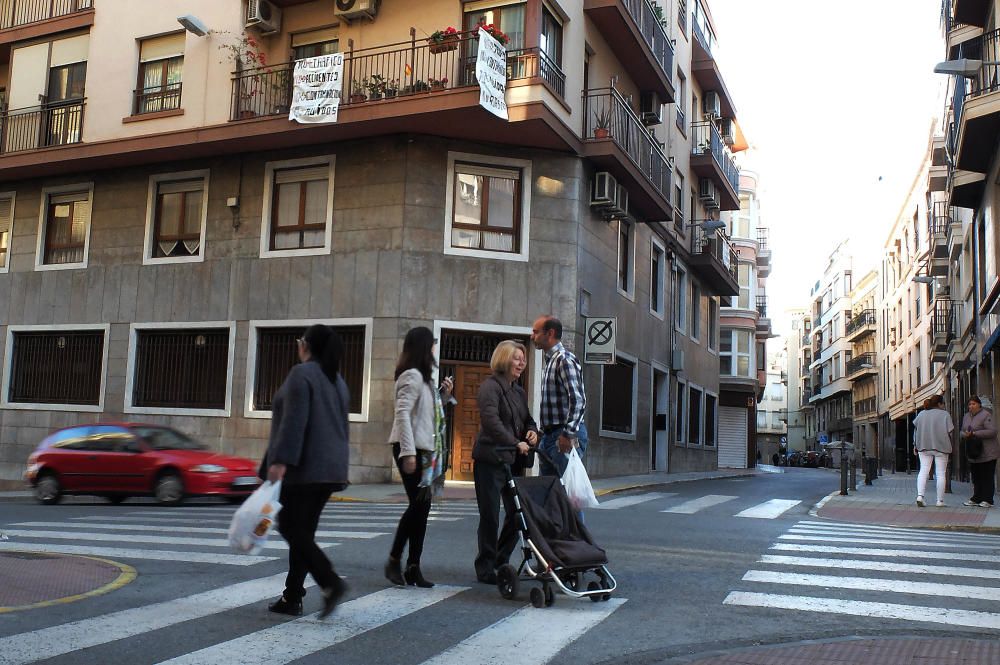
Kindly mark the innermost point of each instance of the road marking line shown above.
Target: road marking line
(338, 519)
(326, 513)
(77, 635)
(196, 529)
(769, 509)
(624, 501)
(300, 638)
(929, 538)
(874, 584)
(124, 553)
(951, 617)
(694, 505)
(870, 551)
(888, 566)
(519, 639)
(898, 530)
(272, 543)
(882, 541)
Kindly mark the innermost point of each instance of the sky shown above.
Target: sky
(836, 100)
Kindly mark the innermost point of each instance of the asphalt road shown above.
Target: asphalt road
(682, 575)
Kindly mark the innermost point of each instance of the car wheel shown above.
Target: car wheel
(48, 490)
(169, 489)
(116, 498)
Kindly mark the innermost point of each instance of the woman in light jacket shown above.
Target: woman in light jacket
(505, 421)
(308, 451)
(932, 441)
(417, 431)
(978, 423)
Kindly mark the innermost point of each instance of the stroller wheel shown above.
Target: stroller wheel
(537, 598)
(594, 586)
(572, 580)
(605, 585)
(550, 596)
(507, 581)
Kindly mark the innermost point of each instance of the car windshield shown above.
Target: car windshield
(162, 438)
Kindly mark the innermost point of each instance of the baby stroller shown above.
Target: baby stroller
(558, 551)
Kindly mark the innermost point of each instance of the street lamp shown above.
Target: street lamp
(193, 24)
(711, 224)
(926, 279)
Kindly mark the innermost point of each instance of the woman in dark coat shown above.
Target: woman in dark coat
(504, 420)
(978, 423)
(308, 452)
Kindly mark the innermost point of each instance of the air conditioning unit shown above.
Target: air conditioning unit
(726, 130)
(605, 193)
(353, 9)
(263, 17)
(711, 105)
(708, 193)
(677, 360)
(650, 108)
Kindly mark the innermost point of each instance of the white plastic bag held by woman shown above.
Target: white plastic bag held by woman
(254, 519)
(577, 483)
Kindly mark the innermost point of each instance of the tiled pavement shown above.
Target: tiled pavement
(868, 652)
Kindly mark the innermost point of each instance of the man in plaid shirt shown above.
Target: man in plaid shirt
(563, 397)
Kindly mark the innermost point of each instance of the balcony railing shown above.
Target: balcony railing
(390, 71)
(988, 78)
(717, 245)
(940, 218)
(943, 320)
(41, 127)
(861, 362)
(705, 139)
(653, 33)
(156, 99)
(705, 39)
(762, 306)
(22, 12)
(867, 405)
(863, 318)
(607, 115)
(763, 236)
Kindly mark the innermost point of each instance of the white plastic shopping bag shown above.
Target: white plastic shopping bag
(577, 483)
(254, 519)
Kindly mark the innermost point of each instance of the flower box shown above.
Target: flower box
(447, 43)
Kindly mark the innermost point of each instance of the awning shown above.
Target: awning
(991, 342)
(739, 140)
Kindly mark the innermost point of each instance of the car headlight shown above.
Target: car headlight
(31, 471)
(209, 468)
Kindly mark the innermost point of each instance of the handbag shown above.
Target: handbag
(973, 447)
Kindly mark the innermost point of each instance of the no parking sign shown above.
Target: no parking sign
(599, 340)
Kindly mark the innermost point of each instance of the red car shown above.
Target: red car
(119, 460)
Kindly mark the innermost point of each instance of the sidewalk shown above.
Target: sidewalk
(891, 500)
(882, 651)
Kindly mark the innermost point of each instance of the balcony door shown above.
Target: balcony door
(63, 111)
(508, 17)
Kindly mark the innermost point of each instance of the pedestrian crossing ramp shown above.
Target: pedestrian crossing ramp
(892, 573)
(668, 502)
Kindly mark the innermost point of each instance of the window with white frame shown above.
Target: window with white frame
(735, 351)
(55, 366)
(64, 229)
(618, 397)
(6, 228)
(695, 310)
(298, 207)
(487, 208)
(657, 268)
(694, 416)
(680, 413)
(744, 273)
(680, 302)
(711, 402)
(626, 264)
(175, 219)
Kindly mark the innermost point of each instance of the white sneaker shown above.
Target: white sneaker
(939, 504)
(985, 504)
(970, 502)
(920, 501)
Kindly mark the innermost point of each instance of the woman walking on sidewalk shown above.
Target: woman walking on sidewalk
(932, 441)
(978, 424)
(417, 434)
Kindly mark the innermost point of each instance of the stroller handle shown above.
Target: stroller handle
(538, 451)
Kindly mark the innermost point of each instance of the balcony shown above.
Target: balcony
(956, 239)
(865, 407)
(28, 19)
(861, 366)
(937, 175)
(861, 324)
(710, 158)
(942, 328)
(631, 28)
(938, 223)
(763, 252)
(615, 139)
(977, 114)
(714, 259)
(39, 127)
(158, 99)
(762, 306)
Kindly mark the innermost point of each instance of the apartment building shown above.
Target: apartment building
(798, 347)
(745, 328)
(863, 367)
(830, 417)
(167, 231)
(772, 412)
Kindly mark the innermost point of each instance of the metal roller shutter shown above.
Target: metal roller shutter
(732, 438)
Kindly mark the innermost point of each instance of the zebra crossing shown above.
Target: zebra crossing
(878, 571)
(197, 534)
(668, 502)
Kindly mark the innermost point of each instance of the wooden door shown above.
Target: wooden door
(466, 419)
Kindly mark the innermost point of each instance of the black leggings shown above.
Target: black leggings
(413, 524)
(301, 506)
(983, 480)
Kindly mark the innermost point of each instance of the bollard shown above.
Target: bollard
(843, 473)
(854, 473)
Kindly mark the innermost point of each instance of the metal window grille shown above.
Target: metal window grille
(277, 353)
(183, 369)
(63, 367)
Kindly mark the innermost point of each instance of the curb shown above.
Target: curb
(659, 483)
(814, 511)
(963, 528)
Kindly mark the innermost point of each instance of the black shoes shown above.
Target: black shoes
(332, 596)
(394, 572)
(488, 578)
(413, 576)
(282, 606)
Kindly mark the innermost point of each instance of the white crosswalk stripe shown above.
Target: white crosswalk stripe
(272, 544)
(134, 553)
(187, 529)
(694, 505)
(625, 501)
(854, 568)
(769, 509)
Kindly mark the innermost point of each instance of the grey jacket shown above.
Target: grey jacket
(504, 420)
(309, 427)
(983, 428)
(413, 422)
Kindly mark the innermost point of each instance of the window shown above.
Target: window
(176, 214)
(618, 397)
(508, 17)
(6, 228)
(298, 207)
(682, 17)
(657, 263)
(694, 416)
(744, 274)
(679, 199)
(200, 360)
(680, 302)
(735, 352)
(59, 367)
(626, 266)
(681, 119)
(315, 42)
(713, 323)
(695, 310)
(65, 227)
(550, 42)
(679, 413)
(64, 108)
(487, 207)
(273, 352)
(710, 408)
(161, 62)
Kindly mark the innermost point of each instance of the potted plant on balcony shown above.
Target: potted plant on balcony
(391, 88)
(442, 41)
(357, 92)
(493, 31)
(375, 85)
(602, 123)
(438, 84)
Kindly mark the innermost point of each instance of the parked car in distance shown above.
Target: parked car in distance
(810, 458)
(119, 460)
